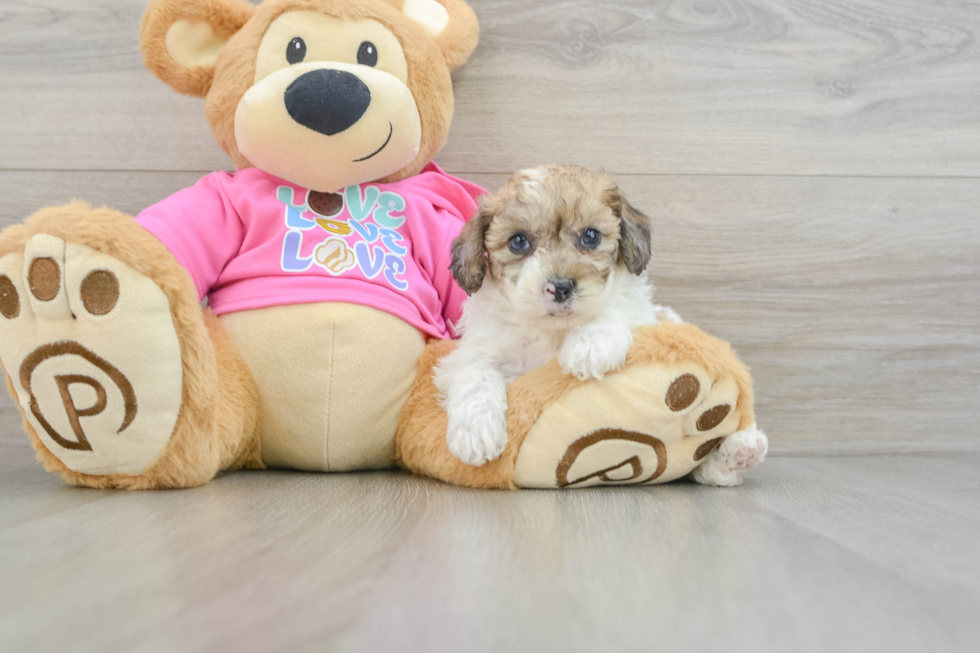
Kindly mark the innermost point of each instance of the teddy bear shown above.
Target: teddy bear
(289, 314)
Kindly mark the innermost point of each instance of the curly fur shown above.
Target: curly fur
(518, 318)
(421, 442)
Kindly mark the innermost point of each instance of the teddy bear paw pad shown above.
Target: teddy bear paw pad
(90, 347)
(645, 425)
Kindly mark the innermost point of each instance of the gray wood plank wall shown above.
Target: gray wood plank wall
(813, 170)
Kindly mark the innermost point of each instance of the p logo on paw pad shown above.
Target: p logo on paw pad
(66, 381)
(91, 349)
(612, 456)
(650, 426)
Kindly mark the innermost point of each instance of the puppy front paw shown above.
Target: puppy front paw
(477, 433)
(592, 351)
(744, 449)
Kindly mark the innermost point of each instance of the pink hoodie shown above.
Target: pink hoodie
(251, 240)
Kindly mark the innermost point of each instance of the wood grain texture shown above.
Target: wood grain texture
(10, 421)
(813, 171)
(863, 87)
(856, 302)
(811, 554)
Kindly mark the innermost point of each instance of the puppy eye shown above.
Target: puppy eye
(591, 238)
(296, 51)
(367, 54)
(519, 244)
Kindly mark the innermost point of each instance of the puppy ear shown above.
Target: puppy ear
(469, 264)
(634, 233)
(181, 39)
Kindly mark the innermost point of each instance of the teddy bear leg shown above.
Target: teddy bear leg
(420, 440)
(122, 380)
(740, 451)
(680, 395)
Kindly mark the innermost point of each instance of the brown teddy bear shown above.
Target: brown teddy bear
(324, 260)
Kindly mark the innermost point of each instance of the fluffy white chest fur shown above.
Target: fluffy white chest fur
(555, 266)
(500, 343)
(516, 343)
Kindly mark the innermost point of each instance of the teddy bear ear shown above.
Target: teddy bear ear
(451, 23)
(181, 39)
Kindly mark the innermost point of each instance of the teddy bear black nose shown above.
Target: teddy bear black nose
(327, 101)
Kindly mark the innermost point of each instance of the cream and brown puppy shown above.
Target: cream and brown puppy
(555, 264)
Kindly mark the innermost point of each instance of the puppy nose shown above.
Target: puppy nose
(562, 289)
(327, 101)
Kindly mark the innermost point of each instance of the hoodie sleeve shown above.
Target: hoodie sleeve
(455, 199)
(200, 227)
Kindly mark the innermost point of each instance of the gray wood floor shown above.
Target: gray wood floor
(813, 171)
(858, 553)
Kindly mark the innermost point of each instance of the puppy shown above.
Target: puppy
(555, 265)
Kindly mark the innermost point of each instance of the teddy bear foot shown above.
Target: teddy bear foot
(680, 395)
(647, 425)
(93, 355)
(94, 361)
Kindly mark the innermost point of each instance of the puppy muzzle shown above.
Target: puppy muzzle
(562, 290)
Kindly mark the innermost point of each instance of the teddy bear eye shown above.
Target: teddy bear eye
(590, 238)
(367, 54)
(296, 50)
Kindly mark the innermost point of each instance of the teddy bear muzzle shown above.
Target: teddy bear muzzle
(327, 100)
(327, 125)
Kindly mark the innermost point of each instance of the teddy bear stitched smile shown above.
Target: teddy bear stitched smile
(325, 261)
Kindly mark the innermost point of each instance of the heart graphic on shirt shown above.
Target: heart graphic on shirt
(334, 256)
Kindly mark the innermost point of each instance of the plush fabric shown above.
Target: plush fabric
(331, 402)
(534, 403)
(252, 241)
(222, 18)
(96, 416)
(429, 60)
(365, 113)
(217, 425)
(100, 317)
